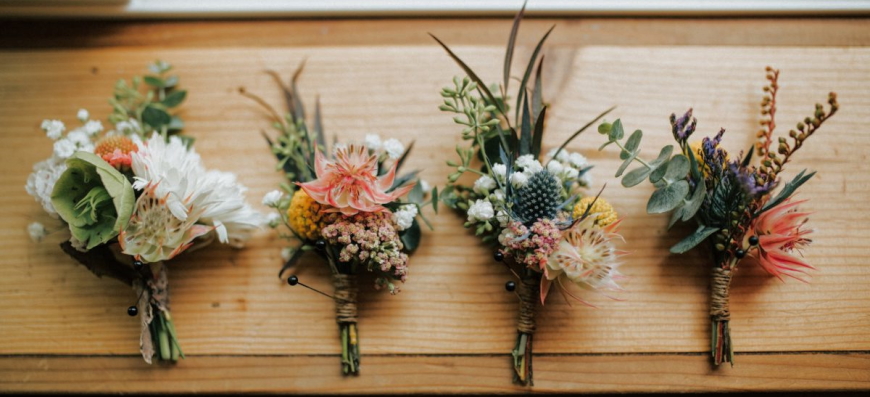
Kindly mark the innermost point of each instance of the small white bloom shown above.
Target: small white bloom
(555, 167)
(404, 217)
(93, 127)
(571, 173)
(64, 148)
(286, 253)
(500, 170)
(273, 219)
(128, 127)
(529, 164)
(373, 142)
(425, 186)
(40, 183)
(503, 218)
(484, 184)
(497, 196)
(79, 138)
(586, 179)
(272, 198)
(53, 128)
(36, 231)
(394, 148)
(83, 115)
(518, 179)
(578, 160)
(481, 210)
(563, 155)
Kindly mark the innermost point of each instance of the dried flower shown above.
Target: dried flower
(602, 212)
(587, 256)
(531, 246)
(370, 239)
(306, 216)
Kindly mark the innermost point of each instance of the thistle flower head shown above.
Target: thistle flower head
(539, 198)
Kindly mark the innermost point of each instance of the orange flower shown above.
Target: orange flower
(779, 234)
(350, 183)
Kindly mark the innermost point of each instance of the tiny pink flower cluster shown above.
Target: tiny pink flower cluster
(369, 238)
(533, 246)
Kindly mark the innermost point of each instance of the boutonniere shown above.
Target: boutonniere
(137, 196)
(348, 204)
(732, 199)
(532, 207)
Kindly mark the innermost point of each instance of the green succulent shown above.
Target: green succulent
(94, 198)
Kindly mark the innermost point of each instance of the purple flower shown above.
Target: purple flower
(683, 127)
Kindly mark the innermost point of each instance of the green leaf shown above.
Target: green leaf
(537, 99)
(78, 193)
(635, 176)
(435, 199)
(788, 190)
(155, 81)
(171, 81)
(538, 135)
(416, 194)
(512, 40)
(155, 117)
(625, 164)
(688, 208)
(694, 239)
(660, 164)
(411, 237)
(667, 198)
(176, 124)
(528, 73)
(616, 132)
(633, 142)
(174, 98)
(678, 168)
(526, 130)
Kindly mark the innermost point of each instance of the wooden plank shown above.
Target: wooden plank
(810, 32)
(435, 374)
(228, 302)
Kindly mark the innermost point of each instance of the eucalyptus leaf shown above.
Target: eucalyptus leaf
(435, 199)
(694, 239)
(155, 117)
(660, 164)
(411, 237)
(625, 164)
(635, 176)
(155, 81)
(616, 132)
(691, 207)
(678, 168)
(633, 142)
(667, 198)
(174, 98)
(171, 81)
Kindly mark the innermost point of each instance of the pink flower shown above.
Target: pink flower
(779, 233)
(350, 183)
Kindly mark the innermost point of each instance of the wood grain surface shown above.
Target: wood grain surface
(452, 326)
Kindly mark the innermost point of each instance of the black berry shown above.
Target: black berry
(740, 254)
(320, 245)
(132, 311)
(498, 256)
(293, 280)
(137, 264)
(510, 286)
(753, 240)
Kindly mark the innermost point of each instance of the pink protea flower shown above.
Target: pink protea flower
(779, 233)
(350, 183)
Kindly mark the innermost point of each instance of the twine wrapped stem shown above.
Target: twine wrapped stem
(529, 291)
(720, 315)
(346, 317)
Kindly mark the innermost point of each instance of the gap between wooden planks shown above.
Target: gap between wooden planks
(435, 374)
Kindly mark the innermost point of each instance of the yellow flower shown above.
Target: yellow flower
(606, 213)
(306, 216)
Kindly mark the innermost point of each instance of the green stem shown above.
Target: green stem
(638, 159)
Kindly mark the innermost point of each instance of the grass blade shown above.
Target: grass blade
(576, 134)
(512, 41)
(529, 68)
(538, 135)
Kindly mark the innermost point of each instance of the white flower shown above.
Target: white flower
(518, 179)
(481, 210)
(499, 170)
(506, 236)
(273, 219)
(53, 128)
(529, 164)
(587, 256)
(93, 127)
(571, 173)
(80, 138)
(586, 179)
(128, 127)
(64, 148)
(179, 195)
(41, 182)
(272, 198)
(83, 115)
(425, 186)
(36, 231)
(373, 142)
(578, 160)
(484, 184)
(394, 148)
(404, 217)
(563, 155)
(503, 218)
(497, 196)
(556, 168)
(286, 253)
